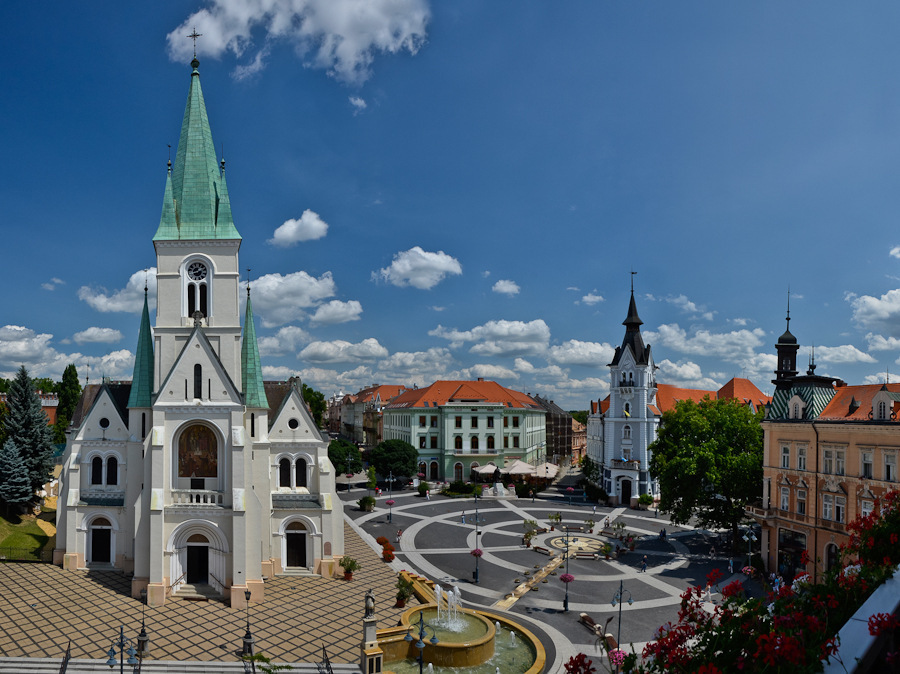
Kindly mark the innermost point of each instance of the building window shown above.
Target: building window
(198, 452)
(627, 409)
(785, 498)
(505, 442)
(882, 410)
(626, 433)
(300, 473)
(434, 422)
(112, 470)
(866, 458)
(515, 422)
(474, 422)
(198, 381)
(422, 442)
(785, 456)
(457, 442)
(490, 442)
(422, 421)
(457, 472)
(801, 458)
(284, 473)
(828, 461)
(515, 442)
(828, 507)
(474, 444)
(505, 422)
(96, 470)
(890, 467)
(839, 462)
(459, 422)
(490, 422)
(801, 501)
(840, 507)
(796, 414)
(866, 508)
(433, 443)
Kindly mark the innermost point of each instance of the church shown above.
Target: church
(197, 476)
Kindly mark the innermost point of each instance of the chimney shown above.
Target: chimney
(481, 379)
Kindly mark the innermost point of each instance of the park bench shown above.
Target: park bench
(586, 555)
(542, 550)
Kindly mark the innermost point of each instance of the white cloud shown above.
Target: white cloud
(895, 252)
(506, 287)
(500, 338)
(741, 322)
(21, 345)
(336, 311)
(434, 360)
(877, 313)
(488, 371)
(734, 346)
(879, 343)
(341, 36)
(308, 227)
(419, 268)
(97, 336)
(340, 351)
(286, 340)
(575, 352)
(358, 104)
(52, 283)
(522, 365)
(128, 299)
(281, 299)
(591, 299)
(842, 354)
(573, 288)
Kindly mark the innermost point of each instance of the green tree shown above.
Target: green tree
(26, 425)
(579, 415)
(14, 485)
(344, 456)
(590, 469)
(397, 456)
(44, 384)
(4, 385)
(69, 391)
(316, 401)
(708, 459)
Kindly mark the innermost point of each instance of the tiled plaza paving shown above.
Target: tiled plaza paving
(42, 607)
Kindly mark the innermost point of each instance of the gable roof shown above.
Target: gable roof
(840, 409)
(445, 392)
(199, 336)
(382, 392)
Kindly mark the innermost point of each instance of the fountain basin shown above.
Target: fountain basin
(472, 646)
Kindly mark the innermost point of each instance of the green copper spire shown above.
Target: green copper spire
(251, 370)
(142, 381)
(198, 195)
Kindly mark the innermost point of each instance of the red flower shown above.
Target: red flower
(871, 542)
(882, 622)
(893, 539)
(804, 558)
(709, 669)
(733, 588)
(713, 577)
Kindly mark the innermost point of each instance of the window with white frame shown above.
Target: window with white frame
(840, 508)
(626, 433)
(865, 458)
(801, 457)
(785, 456)
(890, 467)
(827, 507)
(839, 456)
(866, 508)
(785, 498)
(801, 501)
(828, 461)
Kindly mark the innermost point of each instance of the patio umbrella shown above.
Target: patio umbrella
(518, 467)
(486, 469)
(546, 471)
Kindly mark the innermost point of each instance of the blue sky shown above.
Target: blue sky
(459, 189)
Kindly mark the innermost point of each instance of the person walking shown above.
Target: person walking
(730, 565)
(644, 564)
(399, 535)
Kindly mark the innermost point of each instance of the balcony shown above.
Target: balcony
(198, 497)
(109, 499)
(627, 464)
(295, 501)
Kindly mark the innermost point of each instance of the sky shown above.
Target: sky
(437, 190)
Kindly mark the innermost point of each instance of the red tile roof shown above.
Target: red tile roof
(839, 407)
(443, 392)
(384, 392)
(667, 396)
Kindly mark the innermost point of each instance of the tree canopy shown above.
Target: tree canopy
(579, 415)
(69, 391)
(316, 401)
(26, 426)
(708, 459)
(397, 456)
(14, 483)
(344, 456)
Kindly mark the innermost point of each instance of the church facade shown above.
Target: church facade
(197, 473)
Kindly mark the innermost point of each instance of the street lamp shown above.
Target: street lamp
(750, 537)
(566, 600)
(121, 643)
(390, 504)
(248, 638)
(617, 599)
(476, 553)
(143, 640)
(420, 644)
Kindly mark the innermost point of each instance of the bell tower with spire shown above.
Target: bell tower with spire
(786, 349)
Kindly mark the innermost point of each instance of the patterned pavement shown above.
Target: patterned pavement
(42, 607)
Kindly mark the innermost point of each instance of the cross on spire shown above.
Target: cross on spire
(632, 281)
(194, 37)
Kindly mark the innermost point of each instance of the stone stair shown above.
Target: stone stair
(198, 592)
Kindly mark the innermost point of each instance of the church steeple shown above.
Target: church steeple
(142, 380)
(786, 348)
(633, 336)
(251, 369)
(198, 195)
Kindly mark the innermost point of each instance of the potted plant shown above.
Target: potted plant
(349, 565)
(606, 550)
(527, 536)
(589, 525)
(367, 503)
(631, 543)
(404, 591)
(556, 518)
(645, 501)
(387, 552)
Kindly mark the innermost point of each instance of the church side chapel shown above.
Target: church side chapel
(197, 477)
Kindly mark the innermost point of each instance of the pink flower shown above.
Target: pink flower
(616, 657)
(390, 501)
(567, 578)
(477, 552)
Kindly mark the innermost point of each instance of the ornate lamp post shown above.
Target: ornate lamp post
(750, 537)
(570, 491)
(143, 639)
(567, 577)
(617, 599)
(476, 553)
(248, 637)
(121, 643)
(420, 644)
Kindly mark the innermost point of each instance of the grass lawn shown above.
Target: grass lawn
(25, 533)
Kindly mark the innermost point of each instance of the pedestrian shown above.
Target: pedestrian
(427, 494)
(730, 565)
(594, 511)
(644, 564)
(665, 534)
(399, 534)
(462, 518)
(531, 493)
(606, 524)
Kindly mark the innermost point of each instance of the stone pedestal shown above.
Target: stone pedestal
(156, 594)
(372, 656)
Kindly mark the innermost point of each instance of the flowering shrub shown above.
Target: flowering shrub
(616, 657)
(477, 552)
(748, 571)
(567, 578)
(579, 664)
(792, 630)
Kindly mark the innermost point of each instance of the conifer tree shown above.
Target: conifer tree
(14, 484)
(69, 393)
(26, 425)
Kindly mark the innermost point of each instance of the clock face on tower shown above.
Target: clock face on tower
(196, 271)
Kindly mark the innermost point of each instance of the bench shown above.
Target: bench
(543, 551)
(586, 555)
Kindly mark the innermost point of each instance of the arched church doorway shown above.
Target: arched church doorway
(295, 545)
(101, 541)
(625, 492)
(197, 572)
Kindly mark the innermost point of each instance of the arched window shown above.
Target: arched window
(626, 433)
(198, 381)
(627, 409)
(198, 452)
(457, 442)
(434, 470)
(458, 472)
(300, 473)
(96, 470)
(475, 444)
(197, 277)
(284, 473)
(490, 442)
(112, 470)
(796, 414)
